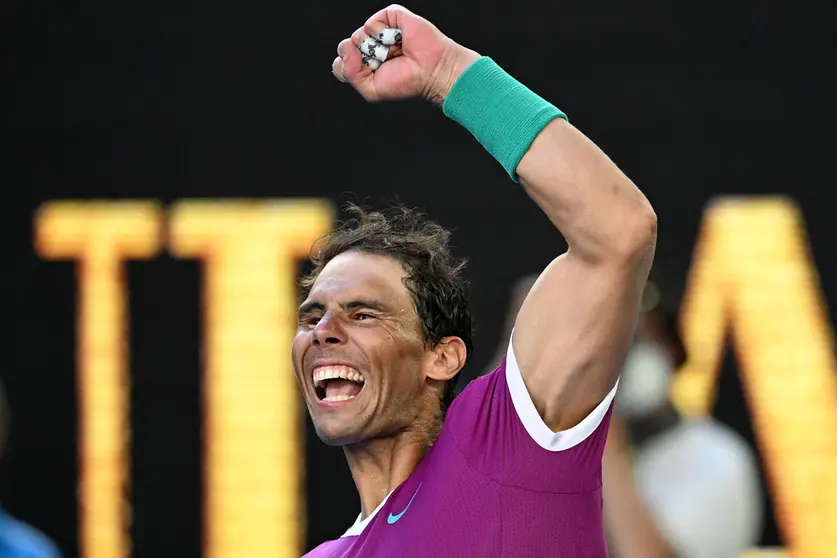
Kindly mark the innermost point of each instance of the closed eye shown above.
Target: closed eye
(309, 321)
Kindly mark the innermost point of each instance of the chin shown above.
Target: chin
(335, 432)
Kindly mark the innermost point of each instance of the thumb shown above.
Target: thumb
(348, 67)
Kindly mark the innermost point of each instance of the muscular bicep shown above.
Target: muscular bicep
(573, 332)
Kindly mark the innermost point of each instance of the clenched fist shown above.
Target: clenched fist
(397, 55)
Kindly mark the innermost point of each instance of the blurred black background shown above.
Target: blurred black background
(212, 99)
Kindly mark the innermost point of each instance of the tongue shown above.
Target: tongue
(341, 387)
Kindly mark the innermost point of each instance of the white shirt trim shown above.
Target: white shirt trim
(359, 525)
(534, 424)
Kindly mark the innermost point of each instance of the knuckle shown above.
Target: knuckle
(397, 9)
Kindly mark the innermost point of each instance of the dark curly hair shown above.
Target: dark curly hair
(434, 277)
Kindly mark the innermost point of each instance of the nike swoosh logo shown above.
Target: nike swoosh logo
(393, 518)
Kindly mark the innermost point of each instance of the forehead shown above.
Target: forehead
(359, 274)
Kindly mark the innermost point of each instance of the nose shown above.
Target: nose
(328, 332)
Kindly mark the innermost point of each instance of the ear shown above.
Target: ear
(446, 359)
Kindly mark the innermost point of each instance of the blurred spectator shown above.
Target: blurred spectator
(673, 487)
(694, 490)
(18, 539)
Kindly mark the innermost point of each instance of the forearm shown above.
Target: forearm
(600, 212)
(593, 204)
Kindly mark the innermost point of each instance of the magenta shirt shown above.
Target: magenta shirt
(497, 483)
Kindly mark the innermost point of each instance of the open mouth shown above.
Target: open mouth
(337, 383)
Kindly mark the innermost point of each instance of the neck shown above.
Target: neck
(379, 466)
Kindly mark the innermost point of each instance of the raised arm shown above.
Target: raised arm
(574, 328)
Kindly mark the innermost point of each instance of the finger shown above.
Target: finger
(389, 35)
(358, 36)
(370, 62)
(372, 48)
(352, 62)
(350, 68)
(337, 69)
(393, 17)
(392, 51)
(382, 33)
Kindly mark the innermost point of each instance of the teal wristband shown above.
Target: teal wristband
(504, 115)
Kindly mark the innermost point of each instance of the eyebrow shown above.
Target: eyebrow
(316, 306)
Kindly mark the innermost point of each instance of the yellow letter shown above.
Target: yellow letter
(254, 461)
(754, 278)
(100, 235)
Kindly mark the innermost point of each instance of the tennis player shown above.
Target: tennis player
(511, 466)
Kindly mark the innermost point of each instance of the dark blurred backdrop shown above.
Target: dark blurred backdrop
(164, 101)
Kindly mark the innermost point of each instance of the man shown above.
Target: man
(513, 468)
(673, 486)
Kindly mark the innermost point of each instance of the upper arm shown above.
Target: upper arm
(574, 330)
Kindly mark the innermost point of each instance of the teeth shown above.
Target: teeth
(336, 398)
(324, 373)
